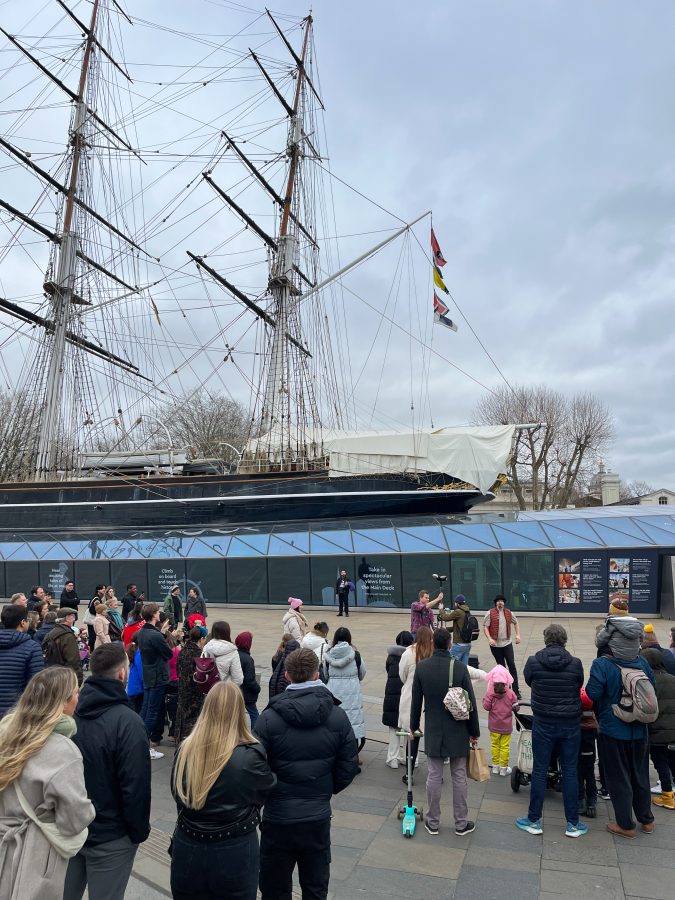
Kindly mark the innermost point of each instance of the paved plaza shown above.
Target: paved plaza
(370, 856)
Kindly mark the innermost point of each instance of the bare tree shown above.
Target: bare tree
(629, 490)
(205, 423)
(558, 455)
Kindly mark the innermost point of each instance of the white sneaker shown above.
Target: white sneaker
(446, 761)
(155, 754)
(657, 788)
(392, 763)
(505, 770)
(495, 770)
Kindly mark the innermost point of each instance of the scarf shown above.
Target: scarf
(66, 726)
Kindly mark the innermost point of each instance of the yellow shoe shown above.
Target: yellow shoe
(666, 799)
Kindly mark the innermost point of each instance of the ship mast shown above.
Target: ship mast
(282, 288)
(64, 288)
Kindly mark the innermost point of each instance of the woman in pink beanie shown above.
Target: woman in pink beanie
(499, 701)
(294, 622)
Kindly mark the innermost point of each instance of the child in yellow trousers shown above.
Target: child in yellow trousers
(500, 701)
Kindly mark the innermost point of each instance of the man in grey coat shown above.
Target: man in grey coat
(445, 736)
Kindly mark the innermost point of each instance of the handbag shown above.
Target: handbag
(477, 767)
(66, 845)
(88, 619)
(525, 757)
(457, 700)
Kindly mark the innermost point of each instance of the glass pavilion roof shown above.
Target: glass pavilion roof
(481, 532)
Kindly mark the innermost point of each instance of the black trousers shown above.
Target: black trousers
(204, 871)
(626, 765)
(664, 763)
(343, 600)
(504, 657)
(588, 790)
(285, 844)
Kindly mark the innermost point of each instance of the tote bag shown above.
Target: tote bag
(66, 845)
(477, 768)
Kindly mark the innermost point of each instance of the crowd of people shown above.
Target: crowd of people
(81, 725)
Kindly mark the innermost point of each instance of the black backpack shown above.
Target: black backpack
(469, 630)
(51, 650)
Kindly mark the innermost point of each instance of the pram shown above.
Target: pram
(521, 773)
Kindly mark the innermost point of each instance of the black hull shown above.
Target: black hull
(224, 500)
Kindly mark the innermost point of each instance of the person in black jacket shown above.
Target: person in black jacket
(220, 780)
(278, 680)
(312, 750)
(444, 736)
(129, 600)
(37, 595)
(117, 775)
(155, 656)
(20, 655)
(69, 596)
(392, 696)
(555, 678)
(250, 687)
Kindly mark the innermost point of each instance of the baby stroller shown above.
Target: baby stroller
(521, 774)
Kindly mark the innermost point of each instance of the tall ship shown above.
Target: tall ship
(173, 253)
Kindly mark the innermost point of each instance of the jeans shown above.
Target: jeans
(152, 704)
(282, 845)
(205, 870)
(253, 714)
(460, 790)
(664, 763)
(343, 600)
(104, 869)
(627, 775)
(461, 652)
(561, 739)
(504, 656)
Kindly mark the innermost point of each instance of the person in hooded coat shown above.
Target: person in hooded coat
(278, 680)
(555, 678)
(344, 671)
(220, 647)
(392, 696)
(623, 746)
(662, 731)
(249, 687)
(294, 622)
(311, 749)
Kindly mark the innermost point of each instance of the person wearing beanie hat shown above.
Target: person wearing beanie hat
(588, 728)
(662, 731)
(460, 649)
(618, 608)
(650, 640)
(294, 622)
(623, 745)
(249, 686)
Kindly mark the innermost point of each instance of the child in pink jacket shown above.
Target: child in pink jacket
(500, 701)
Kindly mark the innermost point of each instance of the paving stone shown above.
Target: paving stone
(636, 853)
(579, 851)
(364, 804)
(491, 858)
(599, 887)
(343, 860)
(360, 821)
(647, 881)
(350, 837)
(504, 837)
(477, 883)
(367, 882)
(580, 868)
(425, 854)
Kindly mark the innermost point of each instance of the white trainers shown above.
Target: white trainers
(505, 770)
(392, 763)
(155, 754)
(657, 788)
(495, 770)
(446, 761)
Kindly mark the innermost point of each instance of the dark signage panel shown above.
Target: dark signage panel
(588, 581)
(288, 577)
(21, 576)
(208, 575)
(89, 573)
(325, 571)
(54, 574)
(162, 575)
(130, 571)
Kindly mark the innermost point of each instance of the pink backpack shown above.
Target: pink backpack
(206, 673)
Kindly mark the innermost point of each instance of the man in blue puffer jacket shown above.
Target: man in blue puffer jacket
(20, 655)
(556, 678)
(623, 746)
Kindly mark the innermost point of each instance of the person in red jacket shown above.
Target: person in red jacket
(498, 624)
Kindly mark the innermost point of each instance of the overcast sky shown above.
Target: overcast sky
(541, 135)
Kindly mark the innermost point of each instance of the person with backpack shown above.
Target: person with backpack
(464, 628)
(622, 686)
(60, 647)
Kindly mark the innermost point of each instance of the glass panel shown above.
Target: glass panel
(247, 581)
(88, 574)
(563, 540)
(289, 543)
(331, 542)
(288, 578)
(53, 577)
(660, 536)
(529, 580)
(470, 537)
(209, 576)
(217, 546)
(162, 575)
(75, 549)
(2, 581)
(579, 529)
(421, 539)
(378, 580)
(374, 540)
(417, 574)
(325, 571)
(253, 545)
(124, 572)
(16, 550)
(521, 535)
(622, 524)
(666, 523)
(478, 576)
(613, 538)
(21, 576)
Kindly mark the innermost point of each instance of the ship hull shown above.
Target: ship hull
(225, 500)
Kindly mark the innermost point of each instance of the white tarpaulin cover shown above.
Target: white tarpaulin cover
(474, 454)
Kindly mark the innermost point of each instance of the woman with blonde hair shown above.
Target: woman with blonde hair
(220, 780)
(101, 625)
(423, 648)
(44, 809)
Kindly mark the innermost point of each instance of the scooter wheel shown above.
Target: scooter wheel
(400, 814)
(408, 834)
(515, 780)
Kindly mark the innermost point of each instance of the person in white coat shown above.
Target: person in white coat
(44, 808)
(316, 640)
(294, 622)
(220, 647)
